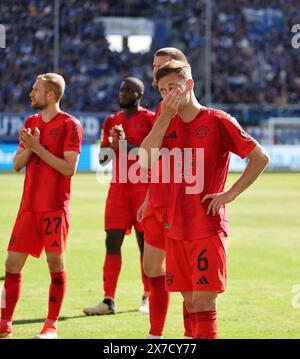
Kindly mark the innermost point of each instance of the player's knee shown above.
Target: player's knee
(148, 269)
(203, 303)
(153, 269)
(12, 266)
(55, 264)
(189, 305)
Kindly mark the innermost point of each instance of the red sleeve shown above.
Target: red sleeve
(105, 131)
(234, 138)
(27, 124)
(73, 136)
(157, 113)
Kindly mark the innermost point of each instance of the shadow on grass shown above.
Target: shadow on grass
(1, 278)
(61, 319)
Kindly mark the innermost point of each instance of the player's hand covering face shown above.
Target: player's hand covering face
(175, 94)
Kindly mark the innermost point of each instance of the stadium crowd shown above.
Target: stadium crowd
(252, 58)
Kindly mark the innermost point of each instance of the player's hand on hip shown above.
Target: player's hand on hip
(217, 201)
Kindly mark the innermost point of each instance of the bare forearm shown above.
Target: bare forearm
(59, 164)
(146, 200)
(254, 168)
(21, 159)
(153, 141)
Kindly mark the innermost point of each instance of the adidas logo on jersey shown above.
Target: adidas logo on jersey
(203, 280)
(55, 244)
(173, 134)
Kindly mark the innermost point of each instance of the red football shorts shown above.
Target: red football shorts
(33, 232)
(154, 232)
(121, 209)
(198, 265)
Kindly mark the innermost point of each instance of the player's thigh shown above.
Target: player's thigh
(207, 259)
(153, 260)
(178, 267)
(117, 208)
(117, 217)
(154, 232)
(26, 236)
(15, 261)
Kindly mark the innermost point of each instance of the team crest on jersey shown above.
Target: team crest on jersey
(169, 278)
(54, 132)
(201, 131)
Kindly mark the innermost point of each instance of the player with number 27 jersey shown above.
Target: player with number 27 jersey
(45, 205)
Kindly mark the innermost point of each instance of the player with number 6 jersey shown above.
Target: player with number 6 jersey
(195, 221)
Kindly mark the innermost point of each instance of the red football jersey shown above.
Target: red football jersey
(218, 134)
(126, 171)
(46, 189)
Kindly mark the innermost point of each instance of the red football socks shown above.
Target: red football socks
(206, 325)
(57, 293)
(158, 304)
(111, 271)
(188, 331)
(12, 290)
(145, 279)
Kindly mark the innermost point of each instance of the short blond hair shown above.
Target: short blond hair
(54, 82)
(172, 52)
(181, 69)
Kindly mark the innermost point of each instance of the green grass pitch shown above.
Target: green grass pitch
(263, 266)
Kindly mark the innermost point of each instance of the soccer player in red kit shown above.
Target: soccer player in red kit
(196, 220)
(50, 144)
(151, 215)
(125, 195)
